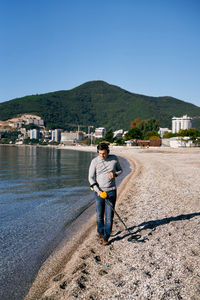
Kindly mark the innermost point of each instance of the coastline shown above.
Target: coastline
(137, 270)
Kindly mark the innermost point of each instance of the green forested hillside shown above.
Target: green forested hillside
(100, 104)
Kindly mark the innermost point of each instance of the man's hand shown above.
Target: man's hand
(99, 193)
(111, 175)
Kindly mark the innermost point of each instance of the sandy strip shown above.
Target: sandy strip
(160, 203)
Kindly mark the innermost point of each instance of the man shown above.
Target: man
(102, 173)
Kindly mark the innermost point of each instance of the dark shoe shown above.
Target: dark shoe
(105, 242)
(100, 237)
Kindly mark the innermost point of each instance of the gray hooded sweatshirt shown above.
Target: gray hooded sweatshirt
(99, 170)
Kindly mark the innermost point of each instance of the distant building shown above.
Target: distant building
(71, 137)
(24, 132)
(125, 132)
(118, 133)
(45, 134)
(183, 123)
(26, 119)
(100, 132)
(56, 135)
(32, 119)
(177, 142)
(162, 131)
(143, 143)
(34, 134)
(130, 143)
(4, 125)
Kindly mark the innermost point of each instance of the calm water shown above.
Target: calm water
(41, 191)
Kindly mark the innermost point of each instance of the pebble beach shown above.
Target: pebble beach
(158, 258)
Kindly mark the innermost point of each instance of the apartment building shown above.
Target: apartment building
(26, 119)
(56, 135)
(71, 137)
(100, 132)
(184, 122)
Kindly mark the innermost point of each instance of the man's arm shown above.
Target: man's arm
(92, 176)
(117, 172)
(118, 168)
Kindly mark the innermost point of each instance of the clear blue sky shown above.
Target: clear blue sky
(150, 47)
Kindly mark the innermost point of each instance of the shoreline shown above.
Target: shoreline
(148, 267)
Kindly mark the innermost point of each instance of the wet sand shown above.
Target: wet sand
(160, 203)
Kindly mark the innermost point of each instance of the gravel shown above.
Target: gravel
(160, 203)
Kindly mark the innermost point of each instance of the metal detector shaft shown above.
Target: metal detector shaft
(117, 215)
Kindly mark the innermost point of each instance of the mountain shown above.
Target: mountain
(100, 104)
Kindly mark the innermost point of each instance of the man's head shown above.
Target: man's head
(103, 150)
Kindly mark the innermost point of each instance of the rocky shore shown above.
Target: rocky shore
(160, 204)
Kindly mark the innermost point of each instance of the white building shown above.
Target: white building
(100, 132)
(125, 132)
(183, 123)
(177, 142)
(162, 131)
(34, 134)
(71, 137)
(118, 133)
(56, 135)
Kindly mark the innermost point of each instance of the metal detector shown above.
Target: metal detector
(133, 237)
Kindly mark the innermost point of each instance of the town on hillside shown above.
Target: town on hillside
(30, 129)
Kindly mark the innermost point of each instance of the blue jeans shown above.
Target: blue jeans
(104, 225)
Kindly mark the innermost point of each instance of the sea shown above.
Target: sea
(42, 191)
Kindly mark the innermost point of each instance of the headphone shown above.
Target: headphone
(103, 146)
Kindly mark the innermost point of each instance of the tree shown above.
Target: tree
(146, 126)
(119, 141)
(27, 141)
(134, 133)
(135, 123)
(109, 136)
(150, 134)
(168, 135)
(9, 136)
(192, 132)
(31, 126)
(100, 140)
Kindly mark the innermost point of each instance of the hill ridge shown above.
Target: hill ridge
(98, 103)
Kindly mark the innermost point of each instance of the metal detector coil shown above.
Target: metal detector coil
(104, 195)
